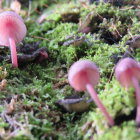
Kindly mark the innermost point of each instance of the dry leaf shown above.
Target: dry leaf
(3, 84)
(11, 106)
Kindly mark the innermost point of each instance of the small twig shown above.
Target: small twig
(29, 9)
(110, 77)
(118, 32)
(99, 15)
(130, 33)
(114, 26)
(38, 37)
(127, 8)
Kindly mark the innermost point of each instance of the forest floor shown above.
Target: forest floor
(31, 106)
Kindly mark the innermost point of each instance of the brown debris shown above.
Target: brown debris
(28, 53)
(134, 42)
(74, 103)
(3, 84)
(70, 17)
(84, 26)
(10, 108)
(37, 56)
(60, 84)
(75, 41)
(132, 2)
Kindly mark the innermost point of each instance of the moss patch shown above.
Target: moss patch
(27, 103)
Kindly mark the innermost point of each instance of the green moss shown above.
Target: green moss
(103, 60)
(117, 101)
(35, 84)
(126, 130)
(57, 52)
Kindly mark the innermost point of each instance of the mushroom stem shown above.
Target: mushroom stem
(13, 52)
(97, 101)
(137, 91)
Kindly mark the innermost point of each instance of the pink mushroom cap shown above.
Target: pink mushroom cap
(126, 69)
(81, 73)
(11, 26)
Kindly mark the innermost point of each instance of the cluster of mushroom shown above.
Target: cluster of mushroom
(84, 75)
(12, 31)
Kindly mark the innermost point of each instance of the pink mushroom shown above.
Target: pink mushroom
(12, 31)
(127, 72)
(84, 75)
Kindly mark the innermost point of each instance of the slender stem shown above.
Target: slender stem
(137, 88)
(13, 52)
(97, 101)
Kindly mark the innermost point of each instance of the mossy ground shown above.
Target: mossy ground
(33, 89)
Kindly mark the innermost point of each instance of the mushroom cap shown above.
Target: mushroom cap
(81, 73)
(11, 26)
(125, 70)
